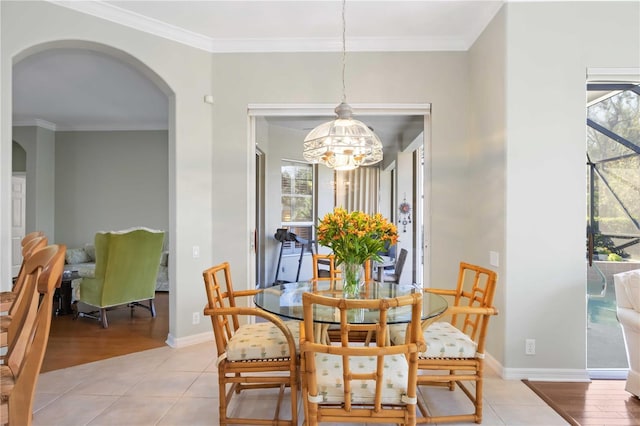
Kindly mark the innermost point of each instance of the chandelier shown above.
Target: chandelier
(344, 143)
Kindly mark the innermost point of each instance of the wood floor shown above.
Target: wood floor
(73, 342)
(600, 402)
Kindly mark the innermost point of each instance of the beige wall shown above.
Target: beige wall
(185, 75)
(39, 146)
(486, 227)
(372, 78)
(548, 52)
(110, 181)
(528, 188)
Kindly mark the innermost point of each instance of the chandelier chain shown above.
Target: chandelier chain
(344, 50)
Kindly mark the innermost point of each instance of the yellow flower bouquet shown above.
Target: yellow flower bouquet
(355, 237)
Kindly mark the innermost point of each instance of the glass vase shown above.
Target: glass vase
(352, 276)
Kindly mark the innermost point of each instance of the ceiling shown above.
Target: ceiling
(71, 89)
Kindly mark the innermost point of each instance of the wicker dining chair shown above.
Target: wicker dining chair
(353, 383)
(250, 356)
(325, 269)
(455, 349)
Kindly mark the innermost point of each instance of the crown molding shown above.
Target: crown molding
(114, 128)
(101, 127)
(137, 21)
(162, 29)
(37, 122)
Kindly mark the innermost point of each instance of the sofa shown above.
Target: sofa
(83, 261)
(627, 285)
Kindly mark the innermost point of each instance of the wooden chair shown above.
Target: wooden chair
(250, 356)
(324, 269)
(30, 243)
(455, 349)
(15, 315)
(357, 384)
(24, 358)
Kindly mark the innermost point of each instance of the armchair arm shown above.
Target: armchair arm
(244, 293)
(454, 310)
(441, 291)
(470, 310)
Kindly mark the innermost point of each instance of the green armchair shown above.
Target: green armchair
(126, 270)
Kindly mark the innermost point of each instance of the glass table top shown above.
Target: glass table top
(285, 300)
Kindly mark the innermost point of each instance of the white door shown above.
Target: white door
(18, 213)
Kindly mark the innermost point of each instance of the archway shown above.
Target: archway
(153, 77)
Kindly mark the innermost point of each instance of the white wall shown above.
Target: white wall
(185, 75)
(405, 190)
(486, 224)
(314, 78)
(110, 181)
(39, 145)
(549, 47)
(537, 196)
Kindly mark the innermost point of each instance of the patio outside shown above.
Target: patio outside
(613, 230)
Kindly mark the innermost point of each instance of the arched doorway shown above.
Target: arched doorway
(67, 199)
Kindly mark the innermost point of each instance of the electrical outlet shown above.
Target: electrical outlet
(196, 318)
(530, 346)
(196, 252)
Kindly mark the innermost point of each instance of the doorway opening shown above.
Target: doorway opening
(276, 136)
(76, 156)
(613, 226)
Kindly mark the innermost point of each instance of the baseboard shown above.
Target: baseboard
(537, 374)
(609, 374)
(189, 340)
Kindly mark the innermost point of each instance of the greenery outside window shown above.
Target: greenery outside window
(297, 202)
(613, 161)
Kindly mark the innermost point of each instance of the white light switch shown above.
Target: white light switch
(196, 252)
(494, 258)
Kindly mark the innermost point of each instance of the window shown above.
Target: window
(613, 160)
(297, 202)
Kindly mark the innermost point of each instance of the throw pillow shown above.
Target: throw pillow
(76, 255)
(91, 252)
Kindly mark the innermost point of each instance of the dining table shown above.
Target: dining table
(285, 300)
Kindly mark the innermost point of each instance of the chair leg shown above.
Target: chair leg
(103, 318)
(152, 308)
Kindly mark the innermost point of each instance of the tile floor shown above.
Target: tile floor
(168, 386)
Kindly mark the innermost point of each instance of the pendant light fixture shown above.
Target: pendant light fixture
(344, 143)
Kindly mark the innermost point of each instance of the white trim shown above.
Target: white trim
(301, 110)
(194, 339)
(92, 127)
(537, 374)
(613, 75)
(137, 21)
(113, 128)
(609, 373)
(113, 13)
(38, 123)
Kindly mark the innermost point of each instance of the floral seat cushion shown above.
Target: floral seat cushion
(262, 340)
(331, 384)
(443, 341)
